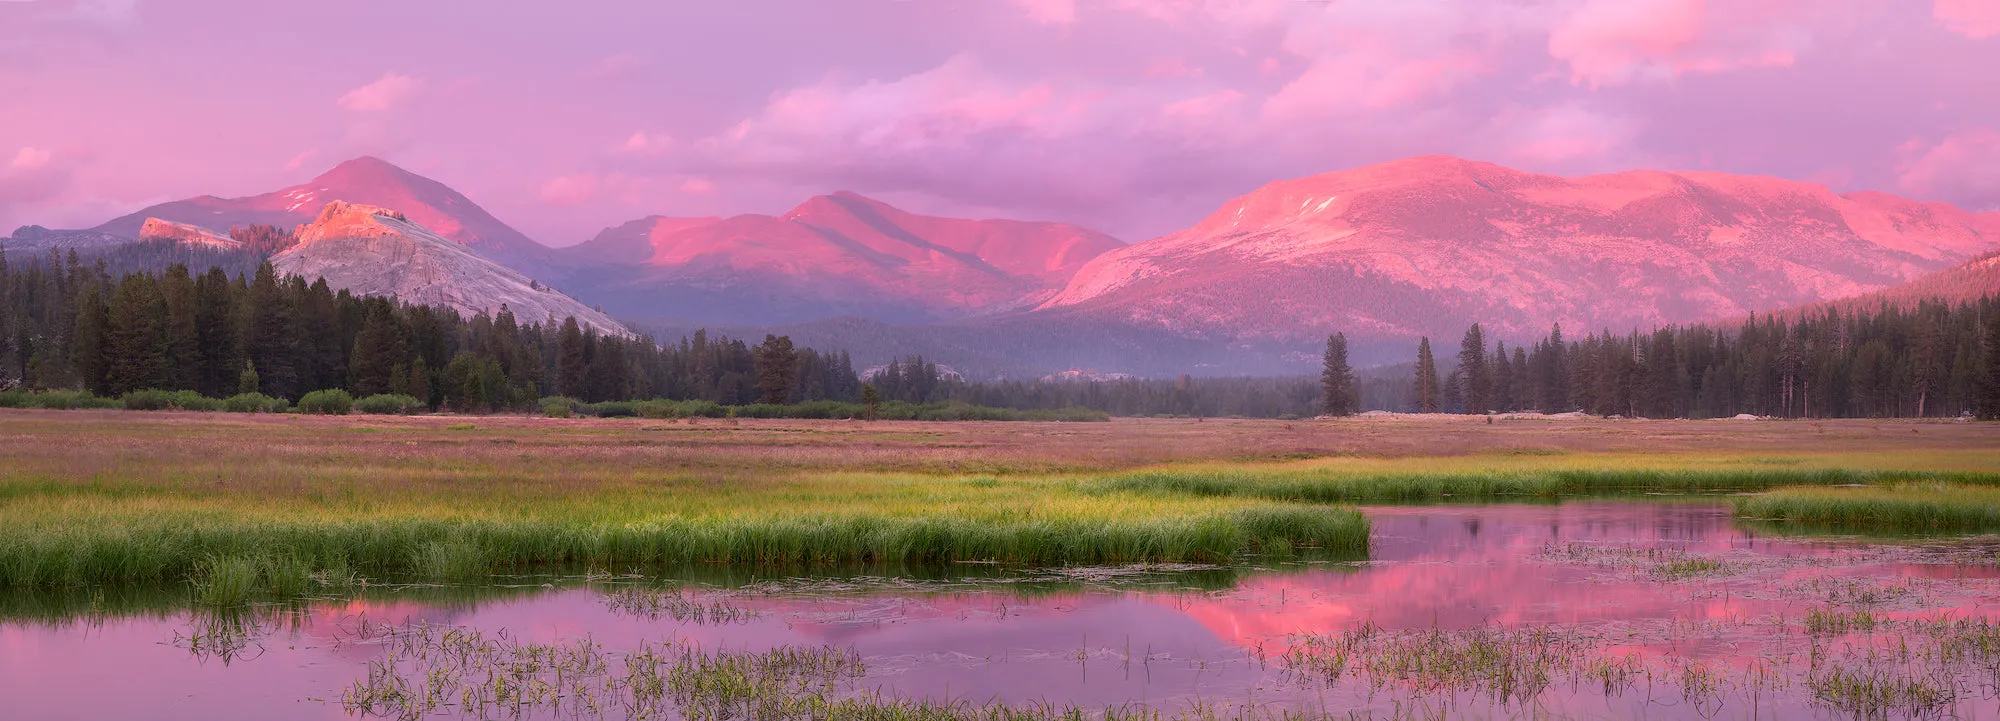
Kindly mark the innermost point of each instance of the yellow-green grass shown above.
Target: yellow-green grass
(92, 498)
(1900, 507)
(60, 534)
(1550, 476)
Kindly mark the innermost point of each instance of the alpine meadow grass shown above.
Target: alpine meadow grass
(99, 498)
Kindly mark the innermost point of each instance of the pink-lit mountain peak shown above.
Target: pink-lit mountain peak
(365, 180)
(1421, 245)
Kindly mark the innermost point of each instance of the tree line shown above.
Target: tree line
(65, 324)
(1933, 360)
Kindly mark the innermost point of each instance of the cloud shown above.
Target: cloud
(1618, 42)
(386, 93)
(1975, 19)
(300, 160)
(1373, 55)
(572, 189)
(1561, 136)
(698, 186)
(1049, 12)
(30, 159)
(643, 143)
(1964, 168)
(32, 178)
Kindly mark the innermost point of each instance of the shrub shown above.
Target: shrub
(159, 400)
(66, 400)
(659, 409)
(332, 402)
(701, 409)
(558, 406)
(15, 399)
(254, 403)
(611, 409)
(388, 404)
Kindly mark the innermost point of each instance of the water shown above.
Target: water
(1680, 592)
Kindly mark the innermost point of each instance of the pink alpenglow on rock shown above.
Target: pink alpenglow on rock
(377, 251)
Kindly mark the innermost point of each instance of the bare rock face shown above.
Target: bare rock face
(35, 238)
(377, 251)
(444, 211)
(838, 254)
(1426, 246)
(182, 233)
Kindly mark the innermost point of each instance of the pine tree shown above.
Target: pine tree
(248, 381)
(136, 337)
(1503, 378)
(871, 400)
(777, 369)
(1336, 379)
(1427, 378)
(1989, 376)
(183, 333)
(378, 352)
(1474, 373)
(88, 349)
(420, 382)
(269, 334)
(571, 365)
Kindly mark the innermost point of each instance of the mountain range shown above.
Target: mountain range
(833, 255)
(1385, 253)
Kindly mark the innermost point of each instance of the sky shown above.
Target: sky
(1136, 117)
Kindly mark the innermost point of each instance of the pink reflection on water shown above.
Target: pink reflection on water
(1579, 565)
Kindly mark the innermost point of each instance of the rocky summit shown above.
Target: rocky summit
(371, 250)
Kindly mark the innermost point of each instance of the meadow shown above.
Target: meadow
(274, 505)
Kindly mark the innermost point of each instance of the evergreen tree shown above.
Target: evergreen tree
(1503, 378)
(1989, 377)
(1453, 394)
(1476, 377)
(420, 382)
(871, 400)
(572, 367)
(1427, 379)
(777, 369)
(1336, 379)
(378, 352)
(182, 328)
(89, 345)
(136, 337)
(249, 381)
(269, 334)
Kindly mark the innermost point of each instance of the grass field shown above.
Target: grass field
(264, 504)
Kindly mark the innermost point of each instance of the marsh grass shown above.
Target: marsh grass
(1871, 692)
(1660, 564)
(1332, 484)
(678, 604)
(1901, 507)
(1835, 622)
(234, 554)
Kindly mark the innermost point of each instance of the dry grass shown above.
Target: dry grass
(125, 496)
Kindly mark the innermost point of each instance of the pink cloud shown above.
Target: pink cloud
(1964, 168)
(1972, 18)
(1616, 42)
(572, 189)
(300, 160)
(1562, 135)
(30, 159)
(643, 143)
(391, 90)
(698, 186)
(1378, 54)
